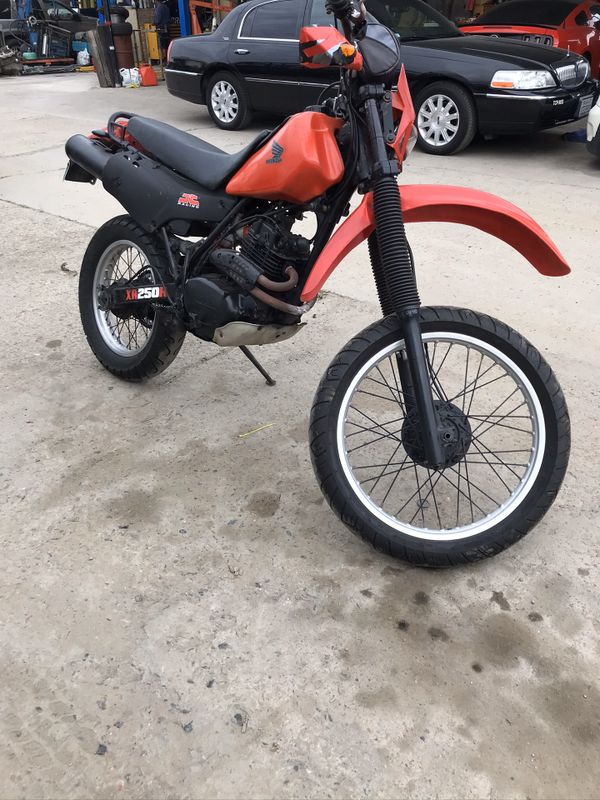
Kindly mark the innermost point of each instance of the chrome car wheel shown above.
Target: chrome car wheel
(224, 101)
(438, 120)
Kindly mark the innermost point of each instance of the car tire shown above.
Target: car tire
(227, 102)
(446, 119)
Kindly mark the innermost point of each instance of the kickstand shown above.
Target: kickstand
(258, 365)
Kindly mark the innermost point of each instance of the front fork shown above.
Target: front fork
(395, 279)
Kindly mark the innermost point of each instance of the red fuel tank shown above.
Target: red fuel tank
(298, 163)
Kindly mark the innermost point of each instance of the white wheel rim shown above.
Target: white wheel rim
(125, 337)
(503, 510)
(224, 101)
(438, 120)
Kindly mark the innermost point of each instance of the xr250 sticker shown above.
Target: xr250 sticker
(145, 293)
(188, 200)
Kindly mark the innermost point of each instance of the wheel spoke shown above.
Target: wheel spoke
(476, 379)
(479, 489)
(376, 424)
(122, 261)
(491, 465)
(421, 506)
(363, 429)
(375, 440)
(397, 382)
(432, 491)
(398, 446)
(499, 422)
(402, 467)
(469, 491)
(443, 475)
(477, 443)
(435, 381)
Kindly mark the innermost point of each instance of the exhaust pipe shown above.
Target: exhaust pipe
(87, 154)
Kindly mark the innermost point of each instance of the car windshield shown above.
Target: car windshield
(52, 8)
(527, 12)
(411, 19)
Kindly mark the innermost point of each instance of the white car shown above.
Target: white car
(593, 129)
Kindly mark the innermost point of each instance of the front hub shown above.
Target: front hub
(455, 435)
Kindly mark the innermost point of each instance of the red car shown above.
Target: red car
(568, 24)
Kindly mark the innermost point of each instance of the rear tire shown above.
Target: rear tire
(158, 334)
(445, 117)
(355, 498)
(227, 102)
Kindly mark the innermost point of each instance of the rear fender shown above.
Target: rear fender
(430, 203)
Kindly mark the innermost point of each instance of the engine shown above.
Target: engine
(249, 280)
(272, 248)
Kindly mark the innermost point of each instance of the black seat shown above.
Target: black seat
(190, 156)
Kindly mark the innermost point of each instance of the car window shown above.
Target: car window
(5, 9)
(411, 19)
(36, 10)
(273, 20)
(581, 18)
(56, 10)
(319, 16)
(527, 12)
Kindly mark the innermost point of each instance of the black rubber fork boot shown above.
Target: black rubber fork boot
(387, 307)
(396, 276)
(394, 253)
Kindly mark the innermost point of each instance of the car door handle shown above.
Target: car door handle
(241, 52)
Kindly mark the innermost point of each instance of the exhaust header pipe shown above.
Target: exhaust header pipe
(87, 154)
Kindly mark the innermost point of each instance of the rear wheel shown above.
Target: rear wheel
(227, 102)
(145, 342)
(505, 434)
(446, 118)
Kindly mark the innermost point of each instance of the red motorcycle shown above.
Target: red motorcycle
(440, 435)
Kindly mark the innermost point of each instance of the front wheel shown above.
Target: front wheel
(506, 439)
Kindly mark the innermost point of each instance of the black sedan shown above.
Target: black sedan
(460, 84)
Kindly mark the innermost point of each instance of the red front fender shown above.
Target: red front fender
(443, 204)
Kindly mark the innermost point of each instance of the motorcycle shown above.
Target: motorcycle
(438, 434)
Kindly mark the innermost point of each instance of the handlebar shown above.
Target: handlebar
(350, 13)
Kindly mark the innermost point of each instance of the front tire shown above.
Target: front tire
(143, 344)
(445, 117)
(504, 465)
(227, 102)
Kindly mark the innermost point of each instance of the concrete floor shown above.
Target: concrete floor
(182, 615)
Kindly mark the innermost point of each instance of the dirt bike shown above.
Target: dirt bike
(438, 434)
